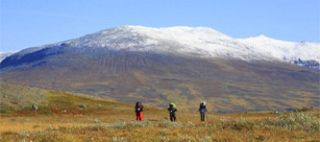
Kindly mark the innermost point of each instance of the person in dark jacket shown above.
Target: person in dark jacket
(202, 110)
(139, 110)
(172, 112)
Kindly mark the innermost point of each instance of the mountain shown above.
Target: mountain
(180, 64)
(196, 42)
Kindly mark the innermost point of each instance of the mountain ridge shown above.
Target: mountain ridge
(3, 55)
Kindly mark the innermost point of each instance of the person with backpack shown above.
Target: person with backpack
(172, 112)
(202, 110)
(139, 110)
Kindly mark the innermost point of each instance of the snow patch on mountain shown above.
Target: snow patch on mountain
(4, 55)
(292, 52)
(283, 50)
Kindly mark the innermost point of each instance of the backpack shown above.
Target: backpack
(139, 107)
(172, 105)
(202, 107)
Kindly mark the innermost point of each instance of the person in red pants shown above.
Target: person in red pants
(139, 110)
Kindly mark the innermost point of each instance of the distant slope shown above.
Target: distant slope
(20, 99)
(227, 85)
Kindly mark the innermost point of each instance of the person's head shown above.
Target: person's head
(203, 102)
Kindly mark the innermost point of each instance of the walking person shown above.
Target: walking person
(172, 112)
(202, 110)
(139, 110)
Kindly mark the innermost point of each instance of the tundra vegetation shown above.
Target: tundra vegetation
(33, 114)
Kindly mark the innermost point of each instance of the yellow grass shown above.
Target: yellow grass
(122, 127)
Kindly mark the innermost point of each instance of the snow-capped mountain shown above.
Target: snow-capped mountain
(158, 65)
(199, 42)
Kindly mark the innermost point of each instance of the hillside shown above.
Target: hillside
(25, 100)
(179, 64)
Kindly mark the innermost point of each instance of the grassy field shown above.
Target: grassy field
(66, 117)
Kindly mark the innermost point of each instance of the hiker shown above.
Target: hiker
(202, 110)
(139, 109)
(172, 111)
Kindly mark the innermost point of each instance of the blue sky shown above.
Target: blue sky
(27, 23)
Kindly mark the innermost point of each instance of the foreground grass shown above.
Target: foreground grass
(299, 126)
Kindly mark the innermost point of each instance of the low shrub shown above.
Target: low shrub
(294, 121)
